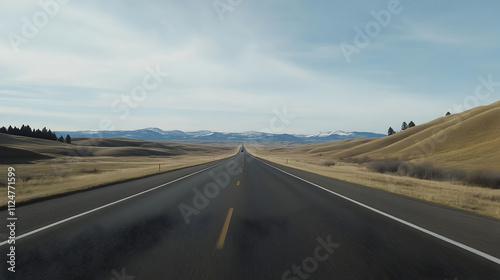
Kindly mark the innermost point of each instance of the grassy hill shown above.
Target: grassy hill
(45, 168)
(27, 148)
(469, 140)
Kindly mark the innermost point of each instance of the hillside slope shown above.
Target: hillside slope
(16, 148)
(468, 140)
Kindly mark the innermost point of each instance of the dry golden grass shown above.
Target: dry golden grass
(109, 160)
(469, 140)
(480, 200)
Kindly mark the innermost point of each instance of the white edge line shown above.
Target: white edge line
(109, 204)
(438, 236)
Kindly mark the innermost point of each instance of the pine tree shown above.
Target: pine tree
(38, 134)
(3, 129)
(16, 131)
(68, 139)
(391, 131)
(61, 139)
(404, 126)
(51, 135)
(25, 130)
(411, 124)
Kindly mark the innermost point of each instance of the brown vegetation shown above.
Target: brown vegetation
(45, 168)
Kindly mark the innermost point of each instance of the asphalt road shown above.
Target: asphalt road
(245, 219)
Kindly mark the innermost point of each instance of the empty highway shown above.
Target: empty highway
(245, 218)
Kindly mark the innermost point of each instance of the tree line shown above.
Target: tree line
(27, 131)
(404, 126)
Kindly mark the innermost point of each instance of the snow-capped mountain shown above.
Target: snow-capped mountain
(154, 133)
(326, 134)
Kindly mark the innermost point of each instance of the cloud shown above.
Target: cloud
(230, 75)
(33, 113)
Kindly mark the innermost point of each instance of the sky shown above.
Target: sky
(282, 66)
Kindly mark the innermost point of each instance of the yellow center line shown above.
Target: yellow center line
(238, 183)
(223, 233)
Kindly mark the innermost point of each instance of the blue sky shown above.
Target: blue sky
(233, 64)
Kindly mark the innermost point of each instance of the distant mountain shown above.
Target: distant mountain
(154, 133)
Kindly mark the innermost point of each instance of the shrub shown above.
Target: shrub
(384, 166)
(364, 159)
(426, 171)
(329, 163)
(484, 178)
(90, 171)
(453, 174)
(26, 177)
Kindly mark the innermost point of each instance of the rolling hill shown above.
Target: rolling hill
(468, 140)
(25, 149)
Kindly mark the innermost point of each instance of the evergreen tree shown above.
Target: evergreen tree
(51, 135)
(68, 139)
(16, 131)
(411, 124)
(391, 131)
(38, 134)
(61, 139)
(404, 126)
(45, 133)
(448, 113)
(25, 130)
(28, 130)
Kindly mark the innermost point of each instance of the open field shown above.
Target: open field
(476, 199)
(45, 168)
